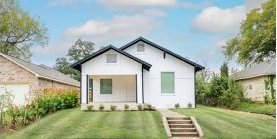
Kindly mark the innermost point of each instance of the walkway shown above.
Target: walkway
(169, 113)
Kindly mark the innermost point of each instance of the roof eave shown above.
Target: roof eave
(78, 64)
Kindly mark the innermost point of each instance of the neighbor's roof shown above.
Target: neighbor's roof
(261, 69)
(197, 66)
(43, 71)
(77, 65)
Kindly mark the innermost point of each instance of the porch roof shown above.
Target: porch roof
(78, 64)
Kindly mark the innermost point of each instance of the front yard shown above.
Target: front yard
(215, 123)
(222, 123)
(74, 123)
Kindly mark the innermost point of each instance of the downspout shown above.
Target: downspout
(194, 87)
(136, 89)
(81, 88)
(87, 88)
(142, 85)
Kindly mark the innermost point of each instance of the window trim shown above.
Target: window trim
(111, 54)
(174, 89)
(111, 86)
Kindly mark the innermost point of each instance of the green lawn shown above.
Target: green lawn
(75, 123)
(222, 123)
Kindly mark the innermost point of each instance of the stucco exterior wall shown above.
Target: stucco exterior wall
(11, 73)
(184, 78)
(258, 87)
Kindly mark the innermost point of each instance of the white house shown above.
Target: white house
(139, 72)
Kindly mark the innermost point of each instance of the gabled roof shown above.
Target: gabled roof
(43, 71)
(197, 66)
(261, 69)
(77, 65)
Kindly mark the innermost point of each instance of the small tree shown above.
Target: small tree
(6, 99)
(224, 70)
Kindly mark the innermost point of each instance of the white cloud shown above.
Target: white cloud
(114, 31)
(214, 19)
(137, 3)
(196, 5)
(116, 28)
(217, 20)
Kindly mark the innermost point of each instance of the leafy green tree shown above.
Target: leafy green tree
(18, 31)
(78, 51)
(63, 65)
(257, 38)
(224, 70)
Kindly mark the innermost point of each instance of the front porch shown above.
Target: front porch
(107, 90)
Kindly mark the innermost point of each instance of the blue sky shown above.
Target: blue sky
(195, 29)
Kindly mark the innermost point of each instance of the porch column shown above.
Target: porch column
(139, 88)
(84, 88)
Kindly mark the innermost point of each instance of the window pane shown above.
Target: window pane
(90, 83)
(167, 82)
(140, 48)
(105, 86)
(111, 58)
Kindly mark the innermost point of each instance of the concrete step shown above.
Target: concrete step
(181, 125)
(179, 121)
(178, 118)
(183, 129)
(184, 134)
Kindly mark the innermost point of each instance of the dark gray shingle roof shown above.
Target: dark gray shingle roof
(263, 68)
(43, 71)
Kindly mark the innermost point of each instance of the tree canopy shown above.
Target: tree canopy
(257, 38)
(78, 51)
(19, 31)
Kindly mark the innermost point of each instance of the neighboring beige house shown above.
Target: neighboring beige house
(253, 79)
(25, 80)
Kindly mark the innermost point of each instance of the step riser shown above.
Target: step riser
(178, 118)
(181, 126)
(179, 122)
(184, 135)
(183, 130)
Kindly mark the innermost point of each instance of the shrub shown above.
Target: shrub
(53, 102)
(140, 108)
(177, 105)
(126, 107)
(202, 89)
(101, 107)
(14, 114)
(221, 91)
(39, 107)
(149, 107)
(6, 99)
(113, 107)
(189, 105)
(267, 98)
(90, 107)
